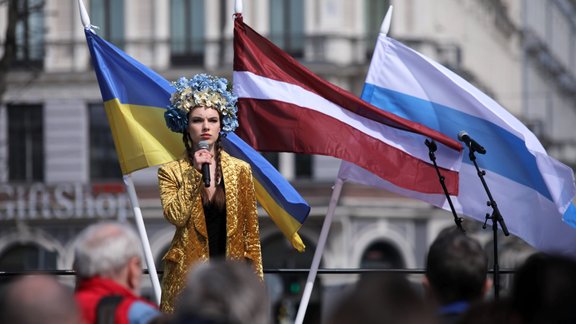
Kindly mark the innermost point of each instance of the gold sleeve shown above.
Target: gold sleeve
(177, 189)
(252, 230)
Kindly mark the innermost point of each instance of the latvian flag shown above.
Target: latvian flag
(283, 107)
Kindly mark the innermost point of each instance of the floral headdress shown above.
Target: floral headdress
(201, 90)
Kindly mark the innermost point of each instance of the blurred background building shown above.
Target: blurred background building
(59, 170)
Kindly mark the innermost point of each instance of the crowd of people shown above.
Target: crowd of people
(108, 267)
(455, 289)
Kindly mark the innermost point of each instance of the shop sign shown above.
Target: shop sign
(61, 201)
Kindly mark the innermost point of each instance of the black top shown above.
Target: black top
(216, 228)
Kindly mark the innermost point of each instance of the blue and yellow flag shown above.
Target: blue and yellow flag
(135, 98)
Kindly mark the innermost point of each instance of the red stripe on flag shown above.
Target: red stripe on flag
(308, 131)
(258, 55)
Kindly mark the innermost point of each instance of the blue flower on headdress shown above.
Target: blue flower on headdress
(176, 120)
(201, 90)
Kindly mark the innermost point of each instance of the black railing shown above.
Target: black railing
(269, 270)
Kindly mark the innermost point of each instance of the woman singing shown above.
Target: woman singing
(215, 219)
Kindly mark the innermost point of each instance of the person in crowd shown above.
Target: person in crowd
(207, 194)
(224, 292)
(456, 273)
(544, 289)
(108, 265)
(381, 298)
(490, 311)
(39, 299)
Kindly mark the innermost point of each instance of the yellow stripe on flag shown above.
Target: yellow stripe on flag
(286, 223)
(141, 137)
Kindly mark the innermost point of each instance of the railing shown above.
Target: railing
(266, 271)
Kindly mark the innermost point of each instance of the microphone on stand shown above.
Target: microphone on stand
(205, 166)
(471, 143)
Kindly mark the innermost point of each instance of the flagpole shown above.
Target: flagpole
(85, 19)
(319, 251)
(385, 26)
(143, 236)
(238, 7)
(84, 15)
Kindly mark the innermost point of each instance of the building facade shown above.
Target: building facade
(59, 171)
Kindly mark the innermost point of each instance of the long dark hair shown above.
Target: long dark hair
(219, 198)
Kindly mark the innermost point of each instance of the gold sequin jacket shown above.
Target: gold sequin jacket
(180, 186)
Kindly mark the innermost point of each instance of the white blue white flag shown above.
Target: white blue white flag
(534, 192)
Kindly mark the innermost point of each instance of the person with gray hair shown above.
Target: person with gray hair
(222, 292)
(108, 265)
(38, 299)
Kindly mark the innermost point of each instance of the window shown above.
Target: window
(108, 15)
(27, 256)
(30, 33)
(287, 25)
(374, 11)
(25, 143)
(187, 32)
(225, 46)
(273, 158)
(299, 165)
(381, 255)
(303, 166)
(104, 163)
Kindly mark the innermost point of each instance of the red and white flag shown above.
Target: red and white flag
(284, 107)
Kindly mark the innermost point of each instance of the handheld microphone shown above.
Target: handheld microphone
(472, 144)
(205, 166)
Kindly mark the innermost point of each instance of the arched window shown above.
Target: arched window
(382, 255)
(27, 256)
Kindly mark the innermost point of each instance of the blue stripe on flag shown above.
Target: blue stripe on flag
(570, 215)
(274, 183)
(507, 152)
(118, 72)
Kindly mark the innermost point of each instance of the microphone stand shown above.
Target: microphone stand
(496, 218)
(431, 149)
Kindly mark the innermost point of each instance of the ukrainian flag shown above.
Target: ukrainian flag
(135, 98)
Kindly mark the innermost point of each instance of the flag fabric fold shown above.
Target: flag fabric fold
(283, 107)
(533, 190)
(135, 99)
